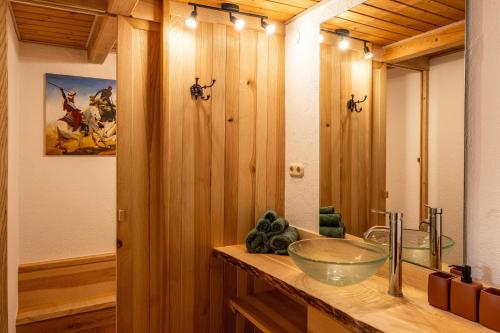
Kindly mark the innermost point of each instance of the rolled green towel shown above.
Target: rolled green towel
(278, 226)
(330, 220)
(279, 243)
(270, 215)
(332, 232)
(326, 210)
(257, 242)
(263, 225)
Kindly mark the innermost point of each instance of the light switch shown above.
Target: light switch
(297, 170)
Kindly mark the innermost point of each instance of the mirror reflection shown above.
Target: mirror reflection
(392, 129)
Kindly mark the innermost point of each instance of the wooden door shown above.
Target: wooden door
(138, 165)
(3, 166)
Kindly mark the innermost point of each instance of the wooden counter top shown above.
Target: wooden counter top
(363, 307)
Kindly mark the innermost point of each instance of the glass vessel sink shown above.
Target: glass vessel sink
(338, 262)
(415, 244)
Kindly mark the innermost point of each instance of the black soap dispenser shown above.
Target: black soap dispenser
(464, 295)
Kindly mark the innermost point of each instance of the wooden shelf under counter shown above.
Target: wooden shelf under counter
(272, 312)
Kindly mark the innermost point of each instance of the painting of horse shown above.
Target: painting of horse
(80, 115)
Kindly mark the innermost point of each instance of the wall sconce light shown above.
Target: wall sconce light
(270, 28)
(191, 20)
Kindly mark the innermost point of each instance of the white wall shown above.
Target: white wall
(482, 139)
(66, 203)
(13, 177)
(403, 144)
(446, 145)
(302, 62)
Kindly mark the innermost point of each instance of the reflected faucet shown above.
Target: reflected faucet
(395, 250)
(435, 223)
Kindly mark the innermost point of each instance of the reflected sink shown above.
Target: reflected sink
(415, 244)
(338, 262)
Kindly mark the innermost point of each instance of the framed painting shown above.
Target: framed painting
(80, 115)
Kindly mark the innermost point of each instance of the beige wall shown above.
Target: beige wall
(403, 144)
(446, 145)
(13, 163)
(483, 148)
(66, 204)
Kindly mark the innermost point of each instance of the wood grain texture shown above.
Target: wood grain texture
(219, 171)
(138, 167)
(122, 7)
(363, 307)
(3, 167)
(103, 39)
(56, 294)
(345, 136)
(320, 322)
(384, 22)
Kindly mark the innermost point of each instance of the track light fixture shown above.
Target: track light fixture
(232, 9)
(191, 20)
(270, 28)
(238, 23)
(368, 53)
(344, 41)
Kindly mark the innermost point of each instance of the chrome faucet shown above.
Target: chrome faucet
(435, 236)
(395, 250)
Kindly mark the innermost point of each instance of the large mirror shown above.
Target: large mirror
(392, 87)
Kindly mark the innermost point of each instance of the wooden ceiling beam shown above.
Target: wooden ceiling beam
(437, 40)
(122, 7)
(103, 39)
(92, 7)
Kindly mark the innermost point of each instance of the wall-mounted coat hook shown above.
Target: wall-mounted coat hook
(197, 90)
(353, 105)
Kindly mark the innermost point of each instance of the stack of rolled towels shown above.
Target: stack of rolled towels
(330, 223)
(271, 234)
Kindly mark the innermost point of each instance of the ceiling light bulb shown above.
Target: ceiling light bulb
(321, 38)
(238, 23)
(270, 29)
(191, 20)
(344, 44)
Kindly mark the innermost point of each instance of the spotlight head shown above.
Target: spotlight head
(191, 20)
(270, 28)
(343, 44)
(238, 23)
(368, 53)
(321, 38)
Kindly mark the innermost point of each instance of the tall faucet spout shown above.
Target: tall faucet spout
(396, 254)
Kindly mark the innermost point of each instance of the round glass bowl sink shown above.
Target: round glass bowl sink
(415, 244)
(338, 262)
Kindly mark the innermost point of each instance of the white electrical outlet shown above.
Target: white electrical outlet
(296, 170)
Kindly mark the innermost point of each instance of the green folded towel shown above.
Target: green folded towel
(270, 215)
(332, 232)
(279, 243)
(327, 210)
(263, 225)
(330, 220)
(257, 242)
(278, 227)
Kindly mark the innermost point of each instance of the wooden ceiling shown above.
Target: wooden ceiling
(385, 22)
(52, 26)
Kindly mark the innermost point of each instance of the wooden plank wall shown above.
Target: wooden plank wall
(226, 163)
(345, 138)
(138, 176)
(3, 167)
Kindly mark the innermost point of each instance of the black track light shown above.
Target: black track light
(270, 28)
(191, 20)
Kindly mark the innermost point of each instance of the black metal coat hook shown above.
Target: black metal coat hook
(197, 90)
(353, 105)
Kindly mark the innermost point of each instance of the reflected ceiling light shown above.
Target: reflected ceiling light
(191, 20)
(321, 38)
(238, 23)
(270, 28)
(368, 53)
(343, 44)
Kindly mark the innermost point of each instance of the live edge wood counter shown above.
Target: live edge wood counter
(363, 307)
